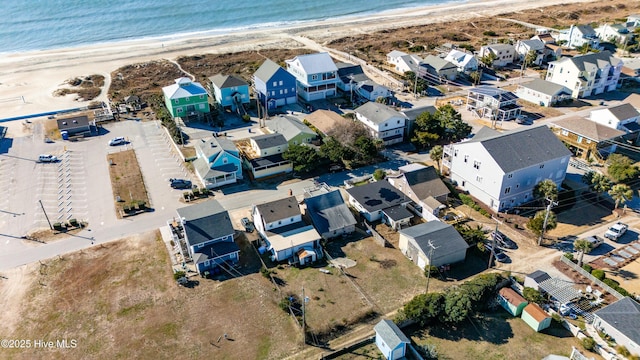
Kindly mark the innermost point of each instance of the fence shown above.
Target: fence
(584, 273)
(379, 239)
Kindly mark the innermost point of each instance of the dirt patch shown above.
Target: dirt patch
(51, 129)
(188, 151)
(118, 300)
(628, 276)
(126, 181)
(86, 88)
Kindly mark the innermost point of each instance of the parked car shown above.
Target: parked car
(180, 183)
(500, 256)
(523, 120)
(616, 231)
(248, 225)
(47, 158)
(117, 141)
(595, 241)
(502, 240)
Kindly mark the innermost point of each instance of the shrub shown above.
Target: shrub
(433, 269)
(623, 351)
(557, 318)
(598, 274)
(569, 256)
(614, 284)
(246, 118)
(489, 33)
(467, 200)
(57, 226)
(588, 343)
(532, 295)
(179, 274)
(484, 212)
(73, 222)
(266, 272)
(587, 268)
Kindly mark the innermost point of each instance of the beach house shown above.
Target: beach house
(465, 62)
(586, 75)
(434, 68)
(383, 122)
(264, 157)
(542, 92)
(492, 103)
(316, 75)
(620, 321)
(401, 62)
(424, 186)
(578, 36)
(185, 98)
(524, 47)
(623, 117)
(501, 169)
(229, 91)
(504, 53)
(293, 130)
(274, 86)
(381, 201)
(330, 214)
(218, 162)
(587, 139)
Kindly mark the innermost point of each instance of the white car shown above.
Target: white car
(117, 141)
(616, 231)
(47, 158)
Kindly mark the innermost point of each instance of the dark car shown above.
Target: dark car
(180, 183)
(248, 225)
(502, 240)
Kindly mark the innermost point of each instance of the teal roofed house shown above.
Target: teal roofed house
(185, 98)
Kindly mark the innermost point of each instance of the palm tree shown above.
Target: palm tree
(546, 189)
(476, 76)
(436, 155)
(582, 246)
(600, 183)
(621, 193)
(488, 59)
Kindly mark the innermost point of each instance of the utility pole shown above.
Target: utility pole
(429, 266)
(493, 244)
(304, 319)
(45, 214)
(546, 219)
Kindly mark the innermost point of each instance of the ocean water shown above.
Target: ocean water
(49, 24)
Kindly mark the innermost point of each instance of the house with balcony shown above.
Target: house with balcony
(208, 235)
(379, 200)
(504, 53)
(294, 131)
(264, 157)
(423, 185)
(466, 63)
(501, 169)
(492, 103)
(383, 122)
(218, 162)
(400, 62)
(285, 235)
(274, 86)
(523, 47)
(316, 75)
(229, 91)
(542, 92)
(587, 139)
(623, 117)
(630, 71)
(586, 75)
(578, 36)
(185, 98)
(354, 82)
(616, 33)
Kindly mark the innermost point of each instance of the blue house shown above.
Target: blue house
(218, 162)
(229, 91)
(391, 341)
(274, 86)
(208, 234)
(316, 75)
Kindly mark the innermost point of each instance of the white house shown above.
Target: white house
(618, 33)
(586, 75)
(402, 62)
(622, 117)
(543, 92)
(501, 169)
(390, 340)
(523, 47)
(316, 75)
(579, 35)
(620, 321)
(279, 224)
(633, 20)
(266, 159)
(370, 90)
(504, 53)
(433, 68)
(383, 122)
(466, 63)
(433, 243)
(269, 144)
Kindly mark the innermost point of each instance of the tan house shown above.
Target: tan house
(586, 138)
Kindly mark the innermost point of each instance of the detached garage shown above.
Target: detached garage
(446, 243)
(391, 341)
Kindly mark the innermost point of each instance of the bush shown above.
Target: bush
(623, 351)
(598, 274)
(433, 269)
(614, 284)
(266, 272)
(557, 318)
(179, 274)
(569, 256)
(246, 118)
(73, 222)
(532, 295)
(57, 226)
(587, 268)
(467, 200)
(489, 33)
(484, 212)
(588, 344)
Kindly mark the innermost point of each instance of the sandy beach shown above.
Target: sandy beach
(27, 80)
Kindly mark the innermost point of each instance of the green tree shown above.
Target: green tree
(621, 168)
(587, 178)
(582, 246)
(546, 189)
(451, 123)
(436, 155)
(366, 147)
(536, 223)
(532, 295)
(471, 235)
(620, 193)
(424, 308)
(381, 100)
(379, 174)
(424, 139)
(476, 76)
(304, 158)
(530, 58)
(419, 86)
(488, 59)
(600, 183)
(457, 305)
(334, 151)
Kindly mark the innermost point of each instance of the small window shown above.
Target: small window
(476, 164)
(286, 91)
(398, 122)
(507, 190)
(280, 83)
(279, 222)
(201, 97)
(466, 157)
(510, 176)
(479, 179)
(455, 152)
(314, 77)
(176, 101)
(564, 132)
(179, 109)
(542, 166)
(275, 83)
(187, 98)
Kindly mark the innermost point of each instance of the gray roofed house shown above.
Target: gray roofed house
(423, 185)
(377, 112)
(543, 92)
(620, 321)
(588, 129)
(534, 279)
(372, 198)
(267, 69)
(448, 245)
(75, 125)
(330, 214)
(544, 86)
(218, 162)
(623, 117)
(391, 341)
(623, 111)
(227, 81)
(492, 103)
(279, 209)
(438, 67)
(595, 72)
(590, 62)
(600, 138)
(269, 140)
(293, 130)
(350, 75)
(520, 149)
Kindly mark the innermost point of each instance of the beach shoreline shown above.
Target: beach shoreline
(34, 76)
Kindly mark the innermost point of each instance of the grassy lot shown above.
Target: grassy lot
(497, 336)
(119, 301)
(126, 179)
